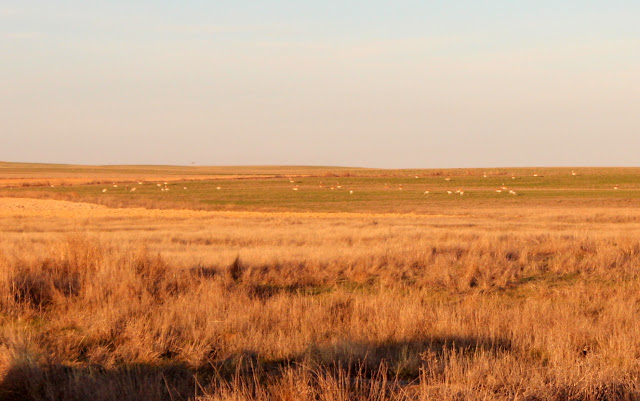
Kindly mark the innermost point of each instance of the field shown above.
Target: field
(255, 291)
(323, 189)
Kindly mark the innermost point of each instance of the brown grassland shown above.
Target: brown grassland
(488, 299)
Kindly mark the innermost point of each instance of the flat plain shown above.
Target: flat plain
(264, 283)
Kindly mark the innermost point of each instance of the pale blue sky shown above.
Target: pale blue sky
(353, 83)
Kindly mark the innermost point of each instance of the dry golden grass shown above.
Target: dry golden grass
(64, 180)
(41, 174)
(504, 304)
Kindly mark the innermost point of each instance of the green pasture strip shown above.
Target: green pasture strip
(369, 193)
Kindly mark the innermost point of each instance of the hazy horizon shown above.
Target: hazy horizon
(404, 85)
(231, 166)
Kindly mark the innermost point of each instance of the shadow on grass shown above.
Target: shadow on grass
(402, 361)
(30, 382)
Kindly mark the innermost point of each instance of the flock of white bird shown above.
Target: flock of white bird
(459, 192)
(164, 186)
(427, 192)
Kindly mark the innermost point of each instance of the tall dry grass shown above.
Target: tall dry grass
(511, 305)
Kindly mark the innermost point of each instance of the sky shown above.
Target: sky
(388, 84)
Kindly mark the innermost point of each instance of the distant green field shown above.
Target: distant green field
(373, 190)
